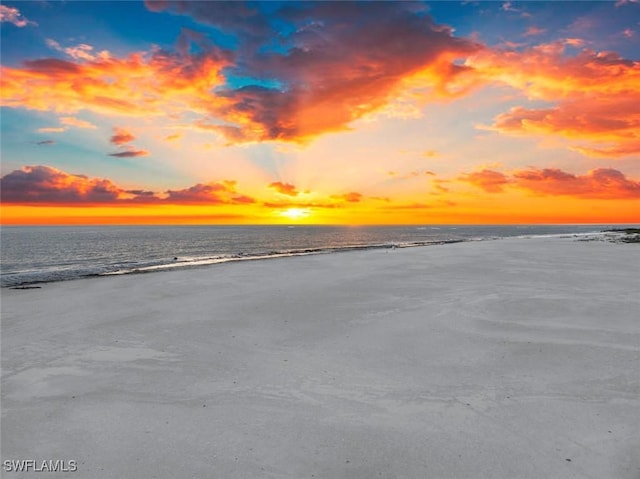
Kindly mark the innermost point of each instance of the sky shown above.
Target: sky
(178, 112)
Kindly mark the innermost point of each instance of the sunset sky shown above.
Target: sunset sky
(157, 112)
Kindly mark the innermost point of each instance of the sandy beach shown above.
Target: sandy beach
(514, 358)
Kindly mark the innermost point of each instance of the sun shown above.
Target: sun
(295, 213)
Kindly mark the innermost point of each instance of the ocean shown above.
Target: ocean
(34, 254)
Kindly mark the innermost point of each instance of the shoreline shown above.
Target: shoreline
(180, 263)
(506, 358)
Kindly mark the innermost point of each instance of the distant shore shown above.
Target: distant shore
(628, 235)
(503, 359)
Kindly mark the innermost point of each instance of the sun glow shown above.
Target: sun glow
(295, 213)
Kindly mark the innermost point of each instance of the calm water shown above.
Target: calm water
(41, 254)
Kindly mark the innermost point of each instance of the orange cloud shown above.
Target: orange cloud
(284, 188)
(489, 180)
(76, 122)
(613, 121)
(333, 75)
(328, 92)
(438, 185)
(156, 83)
(121, 136)
(600, 183)
(628, 148)
(51, 130)
(596, 95)
(211, 193)
(351, 197)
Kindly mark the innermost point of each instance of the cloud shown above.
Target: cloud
(211, 193)
(142, 193)
(351, 197)
(630, 147)
(233, 134)
(55, 129)
(81, 51)
(438, 185)
(411, 174)
(13, 15)
(335, 201)
(129, 153)
(68, 121)
(600, 183)
(594, 94)
(322, 77)
(489, 180)
(620, 3)
(173, 137)
(156, 5)
(77, 123)
(329, 68)
(409, 206)
(44, 185)
(45, 142)
(238, 18)
(121, 136)
(533, 31)
(142, 84)
(330, 75)
(284, 188)
(575, 42)
(335, 75)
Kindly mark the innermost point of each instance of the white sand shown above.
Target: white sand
(502, 359)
